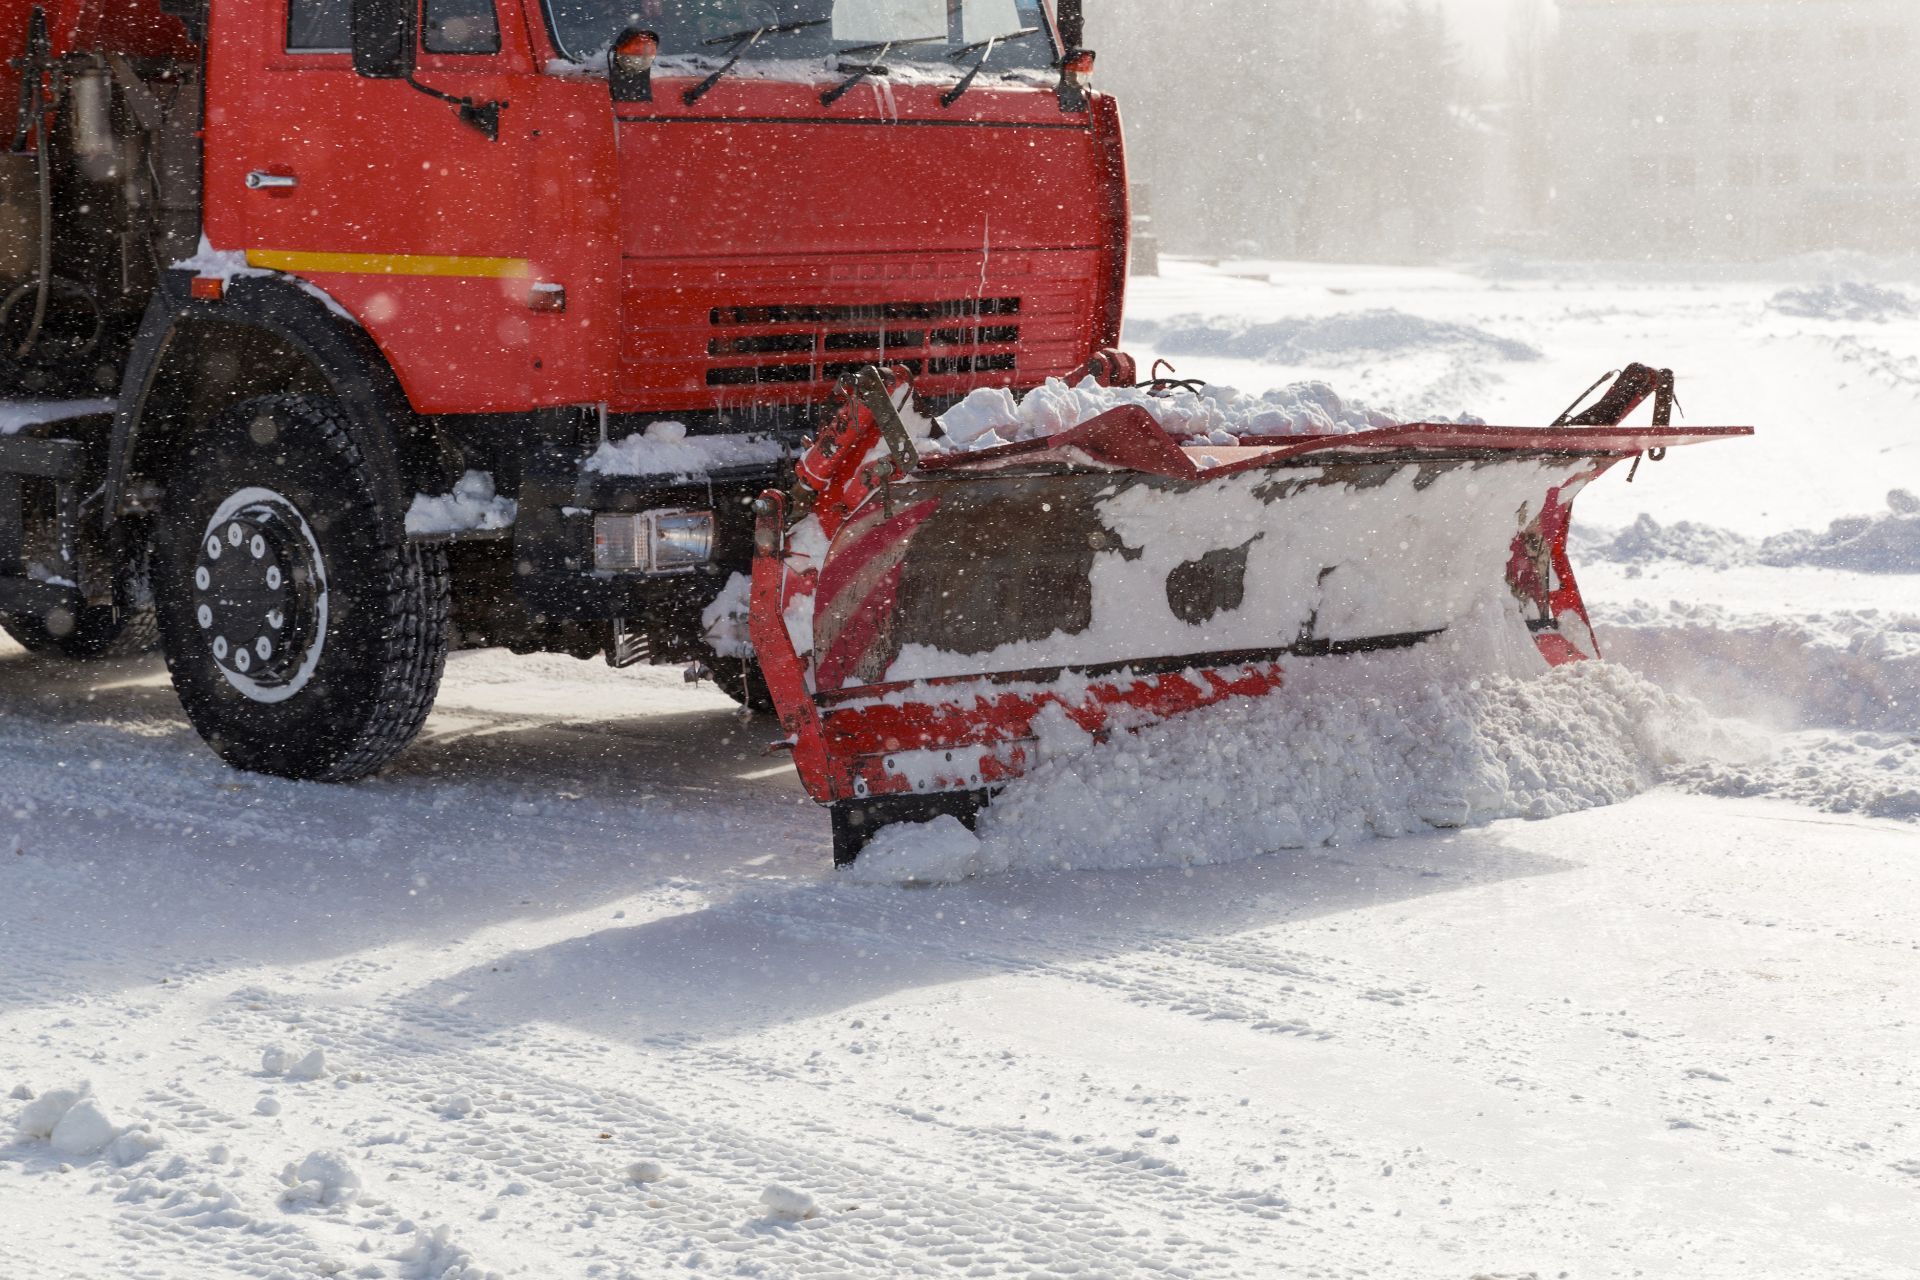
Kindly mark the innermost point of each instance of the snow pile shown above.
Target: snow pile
(1887, 542)
(1213, 415)
(1853, 300)
(1349, 336)
(665, 449)
(1352, 748)
(472, 506)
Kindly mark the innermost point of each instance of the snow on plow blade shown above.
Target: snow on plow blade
(1115, 577)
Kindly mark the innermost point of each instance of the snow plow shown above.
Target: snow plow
(919, 612)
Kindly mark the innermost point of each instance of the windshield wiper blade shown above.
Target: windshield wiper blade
(985, 49)
(740, 42)
(884, 45)
(991, 41)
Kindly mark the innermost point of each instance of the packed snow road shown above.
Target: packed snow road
(572, 992)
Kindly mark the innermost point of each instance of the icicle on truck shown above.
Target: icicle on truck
(635, 295)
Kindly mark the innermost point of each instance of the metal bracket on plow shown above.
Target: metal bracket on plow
(871, 386)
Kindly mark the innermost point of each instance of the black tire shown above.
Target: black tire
(352, 636)
(126, 628)
(740, 679)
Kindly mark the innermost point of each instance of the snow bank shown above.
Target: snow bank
(665, 449)
(1887, 542)
(1321, 339)
(1853, 300)
(473, 505)
(1353, 748)
(1214, 415)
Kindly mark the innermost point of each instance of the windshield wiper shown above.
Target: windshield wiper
(740, 42)
(985, 48)
(865, 69)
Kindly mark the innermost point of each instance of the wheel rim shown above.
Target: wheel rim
(260, 595)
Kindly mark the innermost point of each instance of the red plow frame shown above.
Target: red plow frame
(879, 750)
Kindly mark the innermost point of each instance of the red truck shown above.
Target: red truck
(277, 275)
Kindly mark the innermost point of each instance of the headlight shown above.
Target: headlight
(653, 541)
(681, 539)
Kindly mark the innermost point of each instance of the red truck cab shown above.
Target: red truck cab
(518, 240)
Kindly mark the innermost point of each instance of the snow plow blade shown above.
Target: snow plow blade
(916, 618)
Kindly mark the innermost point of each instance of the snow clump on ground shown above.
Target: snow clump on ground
(1853, 300)
(1320, 339)
(323, 1178)
(75, 1126)
(1351, 749)
(993, 416)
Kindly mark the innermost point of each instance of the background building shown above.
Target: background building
(1734, 128)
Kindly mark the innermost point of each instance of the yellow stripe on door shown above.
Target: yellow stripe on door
(392, 264)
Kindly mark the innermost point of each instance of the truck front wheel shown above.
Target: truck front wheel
(305, 635)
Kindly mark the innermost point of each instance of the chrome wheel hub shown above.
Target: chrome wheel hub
(260, 594)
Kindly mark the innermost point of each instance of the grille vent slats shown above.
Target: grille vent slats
(805, 343)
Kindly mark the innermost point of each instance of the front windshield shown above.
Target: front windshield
(584, 29)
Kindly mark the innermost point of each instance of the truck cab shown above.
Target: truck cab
(482, 322)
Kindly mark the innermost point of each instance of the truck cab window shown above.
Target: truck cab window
(584, 28)
(319, 26)
(461, 26)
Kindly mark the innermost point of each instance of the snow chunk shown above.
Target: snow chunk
(311, 1067)
(1339, 338)
(268, 1105)
(939, 852)
(323, 1178)
(784, 1202)
(727, 622)
(274, 1060)
(665, 449)
(645, 1171)
(473, 505)
(83, 1131)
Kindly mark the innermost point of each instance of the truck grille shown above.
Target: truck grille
(808, 343)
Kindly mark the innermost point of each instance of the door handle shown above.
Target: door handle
(260, 180)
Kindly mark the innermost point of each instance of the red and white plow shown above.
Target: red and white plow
(915, 616)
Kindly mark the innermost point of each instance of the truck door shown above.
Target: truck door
(389, 198)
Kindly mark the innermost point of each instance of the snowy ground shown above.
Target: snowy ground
(587, 1001)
